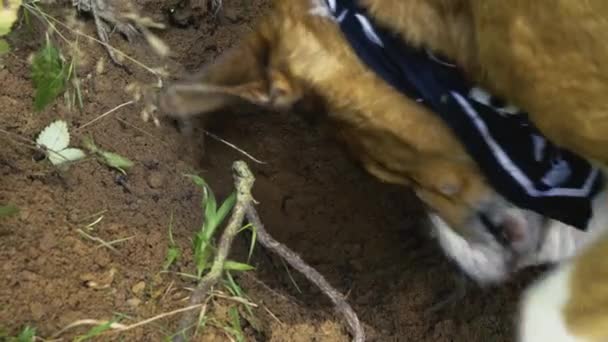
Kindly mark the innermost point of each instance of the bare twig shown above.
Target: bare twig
(273, 316)
(310, 273)
(236, 148)
(142, 131)
(105, 114)
(96, 239)
(88, 322)
(243, 180)
(117, 327)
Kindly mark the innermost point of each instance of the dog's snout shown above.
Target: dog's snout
(510, 230)
(496, 229)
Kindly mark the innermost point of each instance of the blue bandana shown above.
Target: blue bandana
(517, 160)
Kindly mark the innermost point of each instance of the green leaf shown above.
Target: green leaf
(8, 16)
(230, 265)
(202, 253)
(116, 161)
(226, 207)
(173, 254)
(27, 335)
(89, 144)
(197, 180)
(237, 291)
(8, 210)
(111, 159)
(254, 238)
(48, 76)
(4, 47)
(210, 221)
(215, 219)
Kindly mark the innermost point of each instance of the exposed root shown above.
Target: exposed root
(244, 180)
(106, 20)
(310, 273)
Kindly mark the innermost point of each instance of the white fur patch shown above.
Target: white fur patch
(562, 242)
(319, 8)
(486, 262)
(541, 317)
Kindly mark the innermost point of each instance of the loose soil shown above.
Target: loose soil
(366, 237)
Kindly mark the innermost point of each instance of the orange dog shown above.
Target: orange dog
(296, 52)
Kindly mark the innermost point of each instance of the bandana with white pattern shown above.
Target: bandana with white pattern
(515, 157)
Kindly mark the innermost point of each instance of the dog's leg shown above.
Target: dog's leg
(252, 72)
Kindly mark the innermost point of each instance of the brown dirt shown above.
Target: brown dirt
(366, 237)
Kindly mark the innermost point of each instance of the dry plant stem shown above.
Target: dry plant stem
(310, 273)
(243, 180)
(117, 327)
(243, 152)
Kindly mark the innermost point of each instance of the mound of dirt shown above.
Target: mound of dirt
(365, 237)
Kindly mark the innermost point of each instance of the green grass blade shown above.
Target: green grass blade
(95, 331)
(8, 210)
(235, 322)
(27, 335)
(48, 75)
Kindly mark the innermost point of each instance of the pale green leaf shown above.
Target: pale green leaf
(66, 156)
(55, 136)
(116, 161)
(111, 159)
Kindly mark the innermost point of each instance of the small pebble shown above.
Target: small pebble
(37, 310)
(134, 302)
(74, 216)
(48, 241)
(138, 288)
(155, 180)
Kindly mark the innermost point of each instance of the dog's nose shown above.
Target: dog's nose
(496, 229)
(508, 230)
(514, 229)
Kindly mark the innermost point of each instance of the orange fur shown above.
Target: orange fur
(586, 313)
(549, 58)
